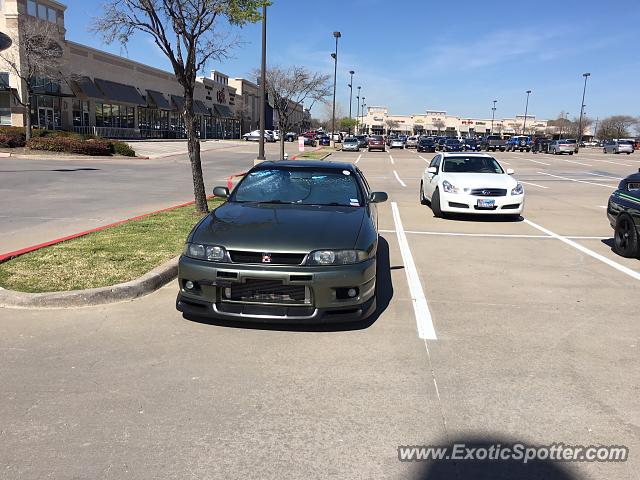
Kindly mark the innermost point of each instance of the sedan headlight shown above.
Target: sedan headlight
(449, 188)
(212, 253)
(517, 190)
(336, 257)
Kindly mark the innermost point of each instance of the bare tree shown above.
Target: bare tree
(439, 124)
(35, 54)
(616, 126)
(289, 89)
(187, 32)
(391, 124)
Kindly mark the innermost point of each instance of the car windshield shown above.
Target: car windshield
(568, 141)
(426, 141)
(453, 142)
(471, 165)
(301, 186)
(351, 140)
(625, 142)
(361, 137)
(377, 138)
(493, 137)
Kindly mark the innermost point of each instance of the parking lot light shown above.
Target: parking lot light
(337, 35)
(526, 109)
(582, 105)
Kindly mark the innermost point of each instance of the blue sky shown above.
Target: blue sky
(414, 56)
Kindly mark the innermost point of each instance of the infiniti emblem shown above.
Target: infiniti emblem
(266, 257)
(486, 192)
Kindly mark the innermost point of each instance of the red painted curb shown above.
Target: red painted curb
(16, 253)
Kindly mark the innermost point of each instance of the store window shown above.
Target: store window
(42, 11)
(5, 108)
(80, 113)
(114, 115)
(32, 9)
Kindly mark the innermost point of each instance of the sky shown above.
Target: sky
(413, 56)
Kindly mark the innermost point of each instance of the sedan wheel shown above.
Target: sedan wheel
(626, 237)
(435, 205)
(423, 199)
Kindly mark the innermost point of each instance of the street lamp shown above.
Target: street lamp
(358, 108)
(351, 72)
(493, 115)
(526, 109)
(337, 35)
(263, 68)
(584, 89)
(362, 113)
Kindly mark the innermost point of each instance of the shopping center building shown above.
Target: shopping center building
(378, 120)
(115, 97)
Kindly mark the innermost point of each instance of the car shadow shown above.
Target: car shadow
(384, 296)
(479, 218)
(64, 170)
(490, 469)
(609, 242)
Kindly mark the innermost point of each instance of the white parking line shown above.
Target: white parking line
(424, 321)
(615, 163)
(574, 180)
(577, 163)
(359, 157)
(604, 176)
(591, 253)
(398, 178)
(391, 158)
(534, 184)
(505, 163)
(428, 161)
(495, 235)
(602, 206)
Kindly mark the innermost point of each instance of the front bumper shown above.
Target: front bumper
(322, 303)
(350, 149)
(463, 203)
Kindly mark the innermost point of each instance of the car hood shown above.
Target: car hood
(280, 228)
(480, 180)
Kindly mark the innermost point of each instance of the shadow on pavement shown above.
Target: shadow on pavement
(384, 296)
(492, 469)
(479, 218)
(52, 170)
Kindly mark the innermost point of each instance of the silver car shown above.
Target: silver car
(351, 144)
(412, 142)
(618, 146)
(396, 143)
(567, 145)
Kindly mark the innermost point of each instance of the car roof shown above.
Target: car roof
(464, 154)
(306, 164)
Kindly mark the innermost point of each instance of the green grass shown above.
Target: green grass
(316, 155)
(114, 255)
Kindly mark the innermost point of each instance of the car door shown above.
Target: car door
(431, 180)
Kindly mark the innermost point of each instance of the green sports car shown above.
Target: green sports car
(295, 241)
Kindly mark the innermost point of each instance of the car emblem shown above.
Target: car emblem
(486, 192)
(266, 258)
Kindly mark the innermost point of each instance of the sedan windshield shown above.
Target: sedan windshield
(471, 165)
(301, 186)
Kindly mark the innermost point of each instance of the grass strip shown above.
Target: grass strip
(315, 155)
(107, 257)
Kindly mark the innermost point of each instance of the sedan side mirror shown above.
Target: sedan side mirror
(222, 192)
(378, 197)
(432, 170)
(510, 171)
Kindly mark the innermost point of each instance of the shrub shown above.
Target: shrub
(70, 145)
(12, 130)
(121, 148)
(11, 140)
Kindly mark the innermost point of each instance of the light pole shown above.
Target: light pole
(584, 89)
(351, 72)
(493, 115)
(595, 129)
(526, 109)
(358, 108)
(335, 73)
(362, 113)
(263, 68)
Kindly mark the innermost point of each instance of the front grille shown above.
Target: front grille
(489, 192)
(511, 206)
(267, 310)
(238, 256)
(266, 291)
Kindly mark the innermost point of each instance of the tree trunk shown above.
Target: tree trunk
(193, 145)
(282, 133)
(27, 120)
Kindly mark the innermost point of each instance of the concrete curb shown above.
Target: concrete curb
(147, 283)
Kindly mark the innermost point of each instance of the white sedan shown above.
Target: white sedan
(470, 183)
(254, 136)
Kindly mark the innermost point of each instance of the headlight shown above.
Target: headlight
(336, 257)
(447, 187)
(213, 253)
(518, 190)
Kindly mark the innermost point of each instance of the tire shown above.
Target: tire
(369, 149)
(604, 150)
(423, 200)
(628, 153)
(625, 237)
(435, 205)
(570, 153)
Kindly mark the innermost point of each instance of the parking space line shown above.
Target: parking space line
(534, 184)
(391, 158)
(495, 235)
(614, 163)
(359, 157)
(424, 322)
(505, 163)
(591, 253)
(578, 181)
(428, 161)
(602, 206)
(577, 163)
(604, 176)
(399, 180)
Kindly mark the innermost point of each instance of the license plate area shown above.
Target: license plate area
(486, 203)
(271, 292)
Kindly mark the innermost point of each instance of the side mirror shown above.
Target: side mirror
(378, 197)
(432, 170)
(222, 192)
(510, 171)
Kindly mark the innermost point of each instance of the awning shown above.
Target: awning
(156, 99)
(120, 93)
(84, 88)
(178, 103)
(223, 111)
(200, 108)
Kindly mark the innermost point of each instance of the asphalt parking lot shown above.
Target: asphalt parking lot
(505, 331)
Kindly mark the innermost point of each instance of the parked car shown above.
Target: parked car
(268, 255)
(351, 144)
(540, 145)
(493, 143)
(324, 140)
(426, 144)
(470, 183)
(452, 145)
(390, 137)
(396, 142)
(440, 142)
(412, 142)
(291, 136)
(471, 144)
(623, 211)
(275, 134)
(254, 136)
(310, 141)
(376, 142)
(518, 142)
(618, 146)
(567, 145)
(363, 140)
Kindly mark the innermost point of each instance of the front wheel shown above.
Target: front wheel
(625, 242)
(435, 205)
(570, 153)
(423, 199)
